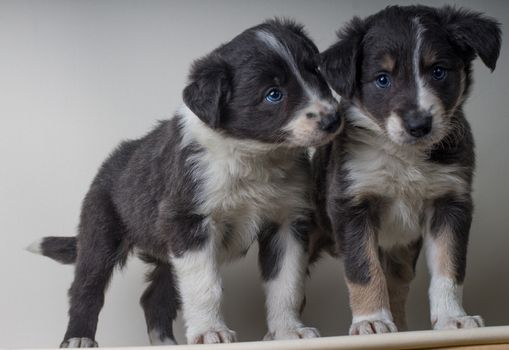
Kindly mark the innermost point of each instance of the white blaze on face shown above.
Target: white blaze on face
(282, 50)
(427, 101)
(303, 129)
(422, 95)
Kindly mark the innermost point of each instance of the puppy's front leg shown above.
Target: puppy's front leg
(399, 266)
(283, 261)
(356, 224)
(199, 284)
(446, 250)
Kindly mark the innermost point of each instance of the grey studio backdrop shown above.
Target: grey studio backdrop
(77, 77)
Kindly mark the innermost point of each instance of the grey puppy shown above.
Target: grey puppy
(228, 169)
(401, 173)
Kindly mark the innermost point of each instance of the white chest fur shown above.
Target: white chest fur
(243, 184)
(407, 182)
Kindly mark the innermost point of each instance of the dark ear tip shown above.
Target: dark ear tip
(492, 66)
(475, 30)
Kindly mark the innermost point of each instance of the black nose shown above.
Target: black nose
(418, 124)
(330, 122)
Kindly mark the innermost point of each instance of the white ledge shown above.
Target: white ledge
(480, 338)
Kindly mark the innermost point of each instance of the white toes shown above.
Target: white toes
(79, 343)
(215, 337)
(309, 332)
(383, 327)
(478, 320)
(372, 327)
(297, 333)
(227, 336)
(211, 338)
(459, 322)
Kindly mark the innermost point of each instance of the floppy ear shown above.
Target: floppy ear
(474, 33)
(209, 89)
(340, 61)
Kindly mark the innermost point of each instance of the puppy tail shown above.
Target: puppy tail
(61, 249)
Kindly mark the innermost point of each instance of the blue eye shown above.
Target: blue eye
(383, 81)
(274, 95)
(438, 73)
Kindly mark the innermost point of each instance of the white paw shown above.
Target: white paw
(79, 343)
(373, 327)
(214, 337)
(297, 333)
(458, 322)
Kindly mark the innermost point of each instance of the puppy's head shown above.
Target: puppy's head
(265, 85)
(407, 70)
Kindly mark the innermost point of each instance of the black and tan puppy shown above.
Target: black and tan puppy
(230, 168)
(401, 173)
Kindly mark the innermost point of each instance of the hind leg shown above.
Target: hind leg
(160, 303)
(399, 267)
(99, 250)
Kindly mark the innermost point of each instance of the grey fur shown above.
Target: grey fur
(151, 193)
(363, 182)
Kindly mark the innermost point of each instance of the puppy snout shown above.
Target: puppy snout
(330, 122)
(418, 124)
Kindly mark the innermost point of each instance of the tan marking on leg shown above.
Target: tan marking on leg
(370, 298)
(374, 296)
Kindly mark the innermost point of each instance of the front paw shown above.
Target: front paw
(458, 322)
(295, 333)
(79, 343)
(218, 336)
(373, 327)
